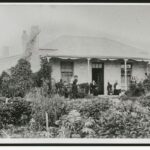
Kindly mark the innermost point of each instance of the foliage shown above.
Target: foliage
(54, 106)
(145, 100)
(4, 84)
(37, 79)
(146, 83)
(90, 107)
(125, 120)
(17, 112)
(21, 78)
(81, 118)
(70, 123)
(74, 125)
(136, 89)
(18, 82)
(43, 76)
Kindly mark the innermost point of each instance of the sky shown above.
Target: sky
(129, 24)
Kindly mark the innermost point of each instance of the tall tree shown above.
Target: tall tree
(21, 77)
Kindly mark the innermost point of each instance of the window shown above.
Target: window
(66, 70)
(97, 65)
(129, 74)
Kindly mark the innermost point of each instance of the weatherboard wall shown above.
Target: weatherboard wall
(112, 71)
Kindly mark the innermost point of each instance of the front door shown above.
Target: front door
(98, 76)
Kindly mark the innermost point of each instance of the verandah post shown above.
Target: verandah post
(125, 72)
(88, 69)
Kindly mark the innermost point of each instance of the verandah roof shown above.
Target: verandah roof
(92, 47)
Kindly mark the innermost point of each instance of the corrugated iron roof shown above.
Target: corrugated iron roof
(95, 47)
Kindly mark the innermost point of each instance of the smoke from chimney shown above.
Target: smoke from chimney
(24, 40)
(34, 32)
(30, 42)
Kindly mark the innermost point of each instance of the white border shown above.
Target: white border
(74, 141)
(82, 4)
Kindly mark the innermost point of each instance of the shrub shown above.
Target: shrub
(37, 79)
(54, 106)
(73, 125)
(17, 113)
(136, 89)
(18, 82)
(21, 78)
(44, 74)
(21, 111)
(146, 83)
(4, 84)
(90, 107)
(125, 120)
(145, 100)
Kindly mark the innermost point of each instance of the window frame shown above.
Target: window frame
(62, 70)
(129, 73)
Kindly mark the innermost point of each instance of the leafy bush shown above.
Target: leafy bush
(136, 89)
(19, 80)
(125, 120)
(145, 100)
(4, 84)
(90, 107)
(146, 84)
(84, 118)
(74, 125)
(55, 107)
(43, 76)
(17, 113)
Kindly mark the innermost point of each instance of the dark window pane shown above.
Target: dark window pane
(66, 70)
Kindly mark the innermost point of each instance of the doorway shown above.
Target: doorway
(98, 76)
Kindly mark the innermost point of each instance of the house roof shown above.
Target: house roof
(92, 47)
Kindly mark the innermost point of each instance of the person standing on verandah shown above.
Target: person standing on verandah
(75, 87)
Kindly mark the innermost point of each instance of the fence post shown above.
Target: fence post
(46, 116)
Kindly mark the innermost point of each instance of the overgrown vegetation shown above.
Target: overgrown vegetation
(17, 81)
(137, 89)
(33, 111)
(42, 78)
(16, 113)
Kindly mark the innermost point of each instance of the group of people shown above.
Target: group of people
(116, 90)
(66, 90)
(71, 90)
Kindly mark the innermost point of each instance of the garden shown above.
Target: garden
(30, 109)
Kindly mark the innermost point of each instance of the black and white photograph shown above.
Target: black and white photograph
(74, 73)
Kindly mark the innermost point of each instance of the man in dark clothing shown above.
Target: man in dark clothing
(75, 88)
(60, 87)
(66, 94)
(115, 90)
(109, 88)
(93, 87)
